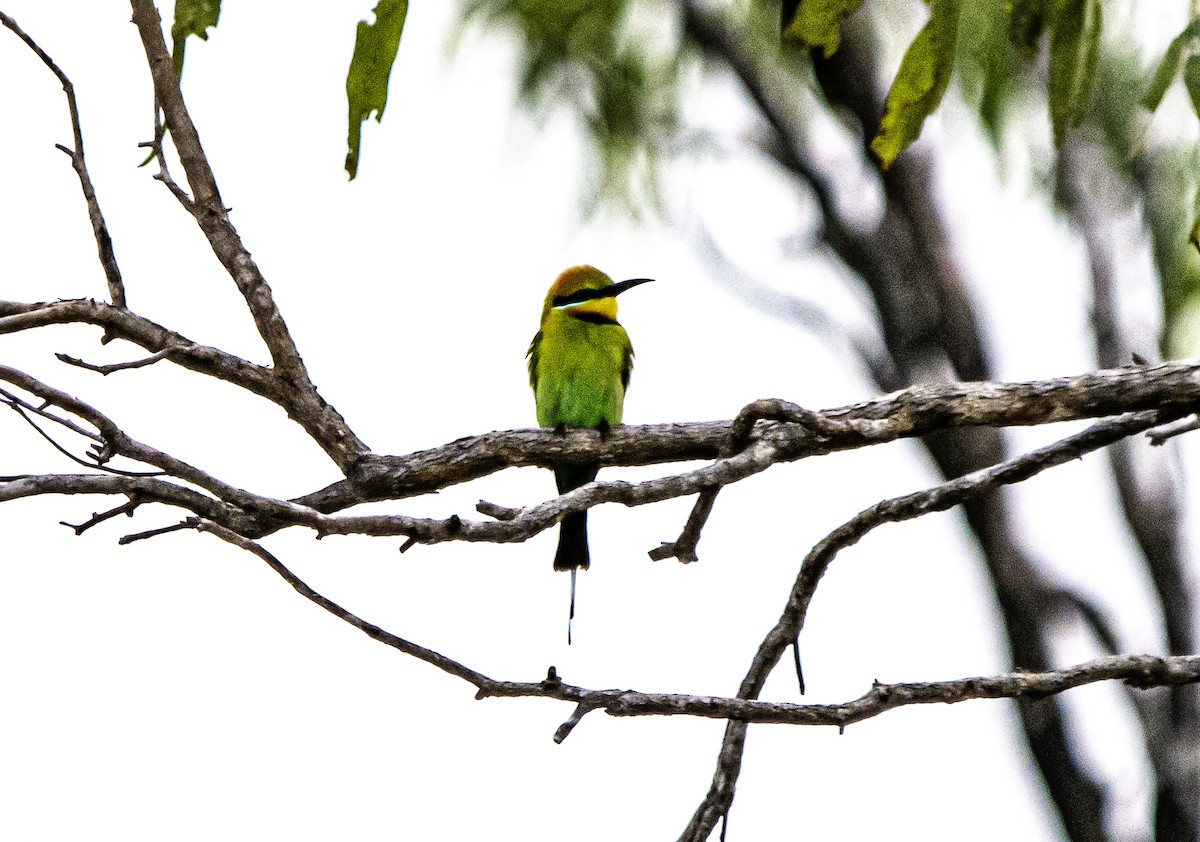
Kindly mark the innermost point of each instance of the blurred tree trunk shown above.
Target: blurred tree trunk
(1096, 195)
(931, 333)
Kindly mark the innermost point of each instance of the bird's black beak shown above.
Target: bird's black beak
(611, 291)
(618, 288)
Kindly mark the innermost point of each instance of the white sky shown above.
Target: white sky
(178, 689)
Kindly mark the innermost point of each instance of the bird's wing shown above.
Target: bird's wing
(627, 363)
(533, 355)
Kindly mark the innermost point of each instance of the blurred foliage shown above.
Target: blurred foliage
(595, 57)
(1026, 19)
(816, 24)
(1163, 176)
(1169, 185)
(992, 60)
(1168, 68)
(995, 73)
(617, 65)
(1050, 53)
(375, 48)
(1074, 50)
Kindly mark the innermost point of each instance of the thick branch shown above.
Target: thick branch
(145, 489)
(16, 316)
(328, 427)
(319, 420)
(910, 413)
(1174, 387)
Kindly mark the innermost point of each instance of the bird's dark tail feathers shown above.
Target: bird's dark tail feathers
(572, 543)
(572, 532)
(572, 551)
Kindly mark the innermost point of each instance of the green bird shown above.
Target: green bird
(579, 366)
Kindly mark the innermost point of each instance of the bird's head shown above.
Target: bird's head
(586, 290)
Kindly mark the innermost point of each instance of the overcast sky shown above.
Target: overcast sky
(178, 689)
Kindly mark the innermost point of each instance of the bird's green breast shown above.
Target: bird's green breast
(581, 368)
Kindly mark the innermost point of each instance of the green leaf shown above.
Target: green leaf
(1191, 81)
(375, 46)
(192, 17)
(817, 23)
(1168, 68)
(1026, 19)
(988, 69)
(1074, 47)
(919, 84)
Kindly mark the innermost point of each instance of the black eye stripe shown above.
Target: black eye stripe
(611, 291)
(579, 296)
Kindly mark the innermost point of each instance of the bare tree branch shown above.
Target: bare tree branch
(318, 419)
(913, 412)
(939, 498)
(16, 316)
(1141, 671)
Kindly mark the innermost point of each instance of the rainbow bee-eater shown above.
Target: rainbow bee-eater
(579, 366)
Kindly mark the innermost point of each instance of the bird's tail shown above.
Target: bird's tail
(572, 543)
(572, 551)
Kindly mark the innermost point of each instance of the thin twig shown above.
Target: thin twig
(1142, 671)
(154, 533)
(115, 442)
(98, 462)
(1169, 431)
(164, 174)
(9, 397)
(420, 652)
(684, 547)
(99, 517)
(108, 260)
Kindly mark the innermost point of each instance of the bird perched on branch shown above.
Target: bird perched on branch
(579, 365)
